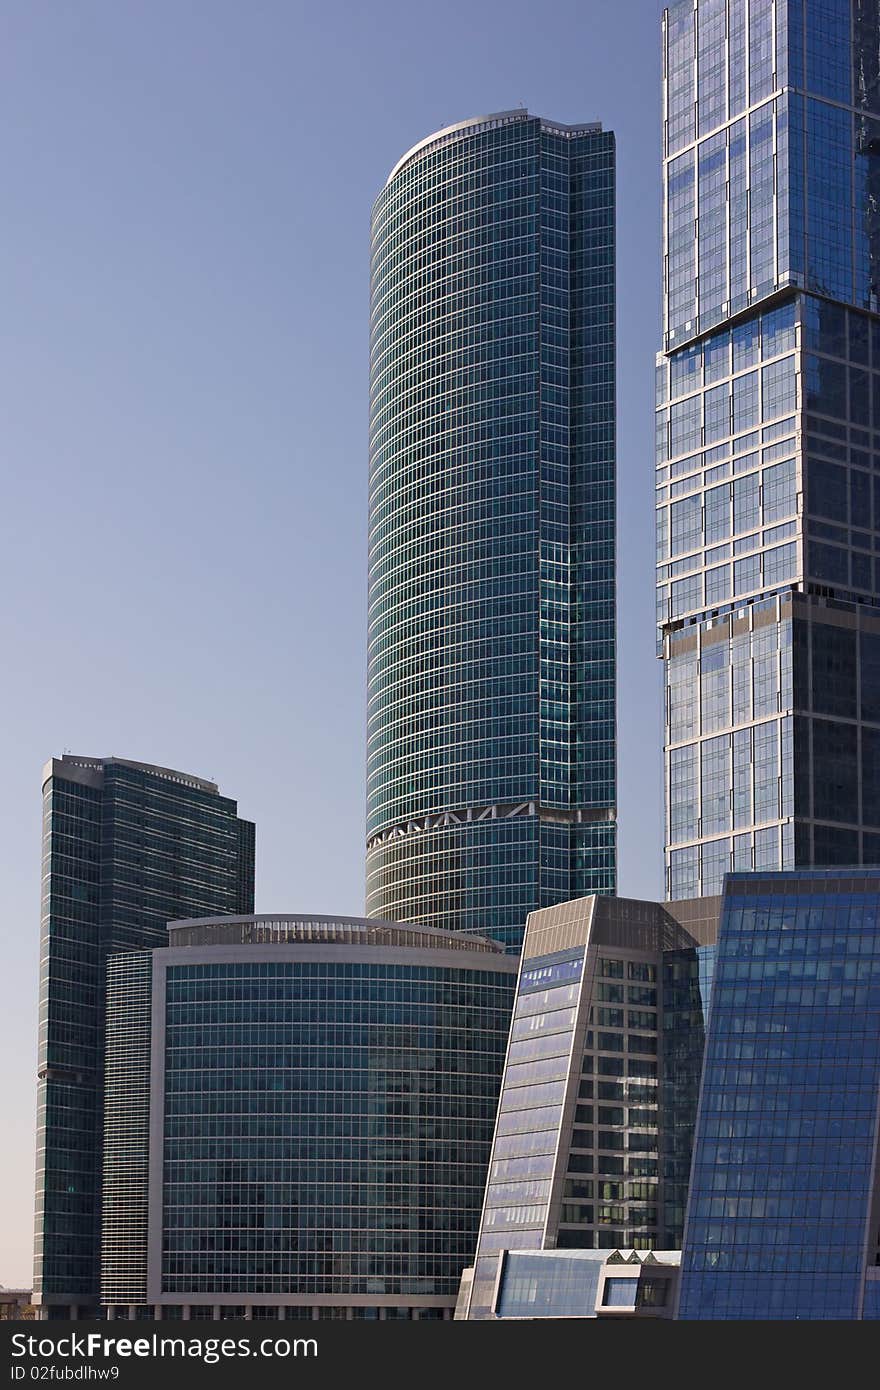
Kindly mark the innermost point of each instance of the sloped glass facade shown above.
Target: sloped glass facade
(780, 1221)
(491, 715)
(768, 436)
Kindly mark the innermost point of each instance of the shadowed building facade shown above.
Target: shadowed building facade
(126, 847)
(491, 669)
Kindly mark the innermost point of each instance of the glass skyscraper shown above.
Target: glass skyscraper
(784, 1208)
(768, 437)
(491, 719)
(126, 847)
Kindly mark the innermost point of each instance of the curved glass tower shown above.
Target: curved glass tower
(491, 720)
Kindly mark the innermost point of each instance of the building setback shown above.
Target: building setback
(298, 1117)
(126, 847)
(768, 429)
(491, 714)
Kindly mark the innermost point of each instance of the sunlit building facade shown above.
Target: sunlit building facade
(491, 714)
(768, 437)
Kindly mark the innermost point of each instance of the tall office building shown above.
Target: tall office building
(126, 847)
(598, 1099)
(491, 721)
(298, 1119)
(768, 458)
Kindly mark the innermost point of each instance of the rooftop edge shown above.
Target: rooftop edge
(475, 124)
(72, 763)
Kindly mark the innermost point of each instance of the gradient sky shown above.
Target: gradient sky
(183, 410)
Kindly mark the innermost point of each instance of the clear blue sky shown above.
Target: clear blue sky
(183, 410)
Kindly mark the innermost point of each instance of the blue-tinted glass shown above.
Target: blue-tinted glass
(620, 1293)
(780, 289)
(550, 1285)
(784, 1151)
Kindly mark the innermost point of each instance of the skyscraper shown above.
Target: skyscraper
(126, 848)
(491, 719)
(768, 488)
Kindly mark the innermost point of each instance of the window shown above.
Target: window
(640, 1018)
(610, 1066)
(610, 994)
(610, 1090)
(637, 994)
(653, 1293)
(641, 970)
(620, 1293)
(615, 1214)
(612, 1139)
(610, 1115)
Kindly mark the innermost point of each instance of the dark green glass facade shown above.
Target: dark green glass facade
(126, 848)
(687, 986)
(491, 718)
(327, 1126)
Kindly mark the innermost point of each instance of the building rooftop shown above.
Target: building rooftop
(475, 124)
(274, 928)
(89, 770)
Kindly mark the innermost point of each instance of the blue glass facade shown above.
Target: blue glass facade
(780, 1221)
(768, 437)
(770, 133)
(126, 847)
(491, 717)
